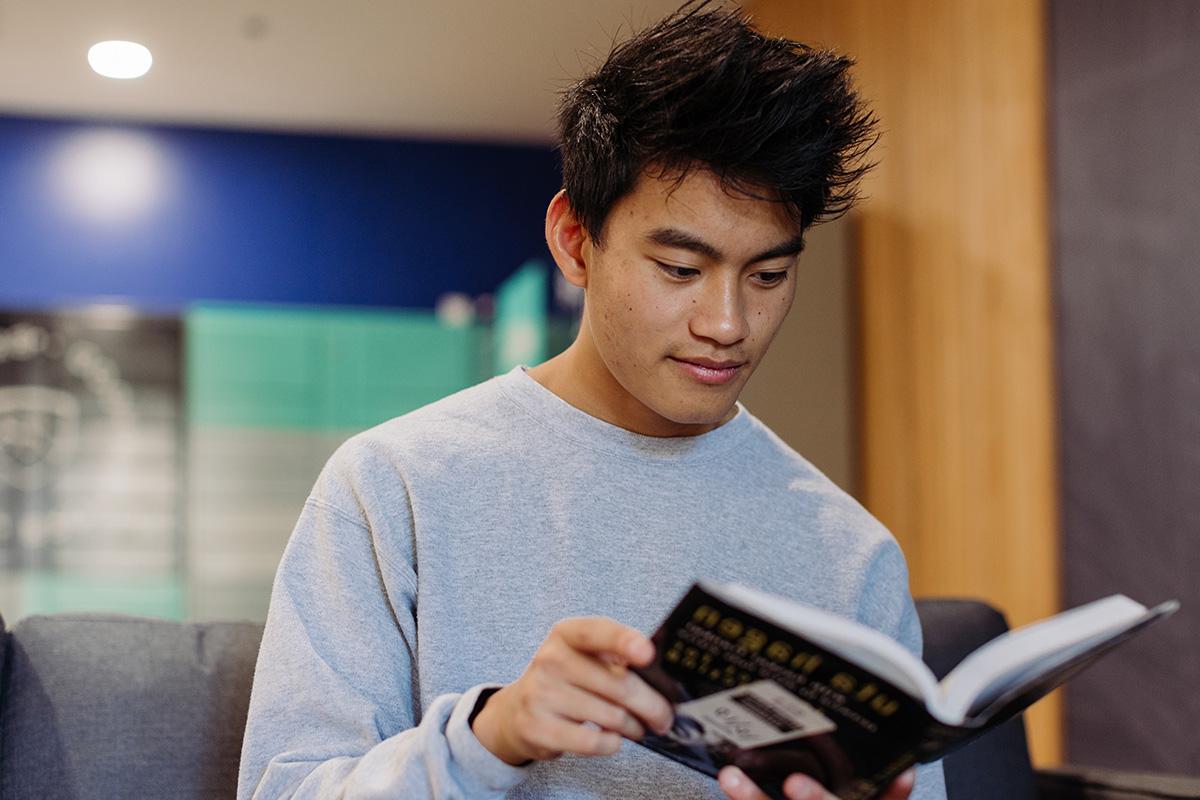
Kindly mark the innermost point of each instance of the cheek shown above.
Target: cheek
(635, 325)
(768, 319)
(633, 332)
(615, 328)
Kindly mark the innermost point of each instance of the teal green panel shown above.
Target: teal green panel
(383, 367)
(413, 349)
(52, 593)
(254, 346)
(521, 324)
(254, 366)
(322, 368)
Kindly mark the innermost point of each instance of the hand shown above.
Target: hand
(579, 674)
(737, 786)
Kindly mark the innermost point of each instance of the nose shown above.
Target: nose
(719, 314)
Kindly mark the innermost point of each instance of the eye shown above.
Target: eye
(678, 273)
(771, 278)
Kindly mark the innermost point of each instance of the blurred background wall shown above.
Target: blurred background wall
(195, 318)
(162, 216)
(310, 217)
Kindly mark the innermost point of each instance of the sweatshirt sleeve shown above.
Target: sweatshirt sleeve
(333, 709)
(886, 605)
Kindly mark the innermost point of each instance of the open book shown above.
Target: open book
(777, 687)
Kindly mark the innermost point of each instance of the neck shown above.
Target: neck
(580, 377)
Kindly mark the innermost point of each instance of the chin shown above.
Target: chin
(692, 415)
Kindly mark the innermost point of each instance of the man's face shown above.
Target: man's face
(683, 299)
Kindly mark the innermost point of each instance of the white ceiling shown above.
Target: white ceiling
(461, 69)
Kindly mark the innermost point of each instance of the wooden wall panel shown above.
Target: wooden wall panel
(956, 378)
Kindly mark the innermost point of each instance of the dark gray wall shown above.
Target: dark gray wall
(1125, 149)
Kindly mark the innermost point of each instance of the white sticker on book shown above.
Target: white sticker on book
(754, 715)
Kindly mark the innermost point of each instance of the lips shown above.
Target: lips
(708, 362)
(709, 371)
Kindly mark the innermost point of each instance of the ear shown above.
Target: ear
(568, 240)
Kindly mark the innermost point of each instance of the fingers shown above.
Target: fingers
(597, 635)
(560, 736)
(587, 707)
(738, 786)
(623, 689)
(902, 787)
(577, 695)
(802, 787)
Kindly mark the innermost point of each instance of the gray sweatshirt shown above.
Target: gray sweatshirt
(436, 551)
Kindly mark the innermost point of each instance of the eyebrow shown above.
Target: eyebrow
(674, 237)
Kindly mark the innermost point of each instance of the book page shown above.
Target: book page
(852, 640)
(1022, 653)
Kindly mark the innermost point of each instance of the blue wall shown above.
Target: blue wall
(162, 216)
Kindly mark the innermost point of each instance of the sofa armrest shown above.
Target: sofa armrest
(107, 705)
(1093, 783)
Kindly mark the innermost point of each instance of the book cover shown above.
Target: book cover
(753, 694)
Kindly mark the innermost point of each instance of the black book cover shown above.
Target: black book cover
(750, 693)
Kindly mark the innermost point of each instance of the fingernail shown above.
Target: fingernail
(733, 778)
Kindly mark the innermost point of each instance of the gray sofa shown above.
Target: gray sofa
(105, 706)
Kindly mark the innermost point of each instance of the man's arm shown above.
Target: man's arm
(332, 707)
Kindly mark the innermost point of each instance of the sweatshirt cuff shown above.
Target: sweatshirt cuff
(481, 769)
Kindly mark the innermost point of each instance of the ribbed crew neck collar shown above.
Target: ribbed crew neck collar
(580, 426)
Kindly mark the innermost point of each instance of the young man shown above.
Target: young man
(456, 611)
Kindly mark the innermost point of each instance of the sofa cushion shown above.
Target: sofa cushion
(108, 706)
(996, 766)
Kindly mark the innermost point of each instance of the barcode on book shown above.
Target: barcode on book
(755, 715)
(764, 712)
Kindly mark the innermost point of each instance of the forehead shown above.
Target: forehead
(700, 204)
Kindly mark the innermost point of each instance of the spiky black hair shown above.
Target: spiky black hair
(701, 89)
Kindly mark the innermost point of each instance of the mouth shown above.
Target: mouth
(708, 371)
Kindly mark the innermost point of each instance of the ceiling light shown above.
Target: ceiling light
(120, 59)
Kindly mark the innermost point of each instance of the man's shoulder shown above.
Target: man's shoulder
(802, 492)
(767, 453)
(451, 420)
(466, 422)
